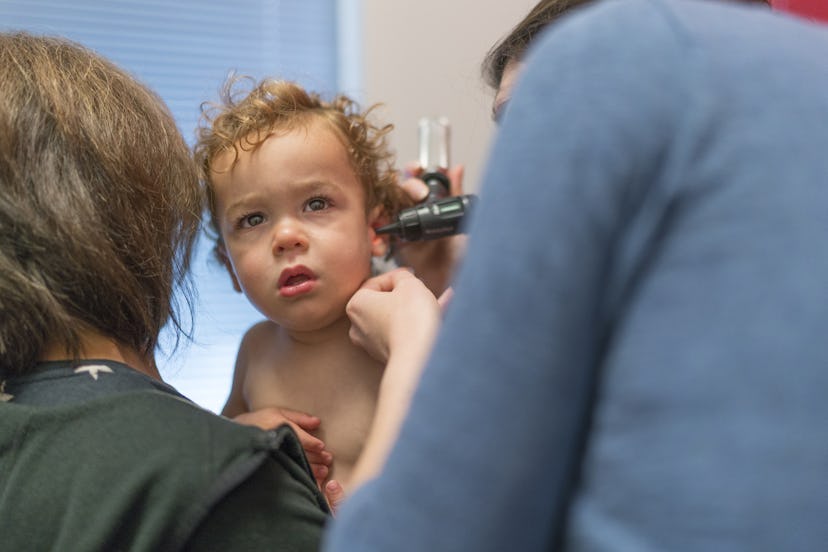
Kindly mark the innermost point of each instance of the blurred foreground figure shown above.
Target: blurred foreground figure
(634, 358)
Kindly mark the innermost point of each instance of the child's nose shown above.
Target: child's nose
(289, 237)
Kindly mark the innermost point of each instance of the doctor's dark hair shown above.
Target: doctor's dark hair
(249, 112)
(99, 204)
(514, 45)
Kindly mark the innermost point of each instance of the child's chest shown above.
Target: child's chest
(339, 386)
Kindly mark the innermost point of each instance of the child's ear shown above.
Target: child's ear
(379, 242)
(221, 255)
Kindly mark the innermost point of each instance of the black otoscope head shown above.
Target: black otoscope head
(430, 221)
(439, 215)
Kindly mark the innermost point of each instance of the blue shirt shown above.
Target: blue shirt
(635, 357)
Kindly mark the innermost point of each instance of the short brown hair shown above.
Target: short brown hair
(99, 203)
(514, 45)
(245, 117)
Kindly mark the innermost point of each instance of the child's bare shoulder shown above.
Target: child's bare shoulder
(259, 344)
(260, 333)
(262, 357)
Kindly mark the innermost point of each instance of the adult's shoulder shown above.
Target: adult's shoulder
(146, 465)
(197, 436)
(204, 460)
(655, 29)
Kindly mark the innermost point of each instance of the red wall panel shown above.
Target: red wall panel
(812, 9)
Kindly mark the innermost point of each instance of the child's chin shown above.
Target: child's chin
(312, 322)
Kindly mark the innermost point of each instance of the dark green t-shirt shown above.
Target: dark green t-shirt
(101, 457)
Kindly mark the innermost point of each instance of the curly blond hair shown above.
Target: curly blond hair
(245, 117)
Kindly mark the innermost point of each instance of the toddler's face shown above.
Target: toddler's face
(293, 219)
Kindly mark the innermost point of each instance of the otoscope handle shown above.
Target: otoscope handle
(434, 156)
(438, 186)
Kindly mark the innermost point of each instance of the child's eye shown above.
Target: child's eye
(251, 220)
(317, 204)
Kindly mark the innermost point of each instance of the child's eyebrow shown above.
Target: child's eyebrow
(313, 186)
(241, 203)
(302, 187)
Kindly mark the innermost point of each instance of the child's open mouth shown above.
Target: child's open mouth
(296, 280)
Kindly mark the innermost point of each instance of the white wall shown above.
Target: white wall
(422, 58)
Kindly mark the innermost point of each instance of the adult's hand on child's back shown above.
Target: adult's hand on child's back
(302, 423)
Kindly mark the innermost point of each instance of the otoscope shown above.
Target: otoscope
(440, 215)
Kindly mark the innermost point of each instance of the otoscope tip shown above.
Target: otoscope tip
(392, 228)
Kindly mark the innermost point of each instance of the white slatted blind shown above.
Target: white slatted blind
(184, 49)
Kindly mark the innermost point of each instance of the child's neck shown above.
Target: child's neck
(336, 331)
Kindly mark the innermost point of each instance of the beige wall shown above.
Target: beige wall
(422, 58)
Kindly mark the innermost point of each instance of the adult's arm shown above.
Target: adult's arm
(274, 509)
(486, 458)
(394, 317)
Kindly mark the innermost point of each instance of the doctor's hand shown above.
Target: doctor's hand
(432, 261)
(393, 312)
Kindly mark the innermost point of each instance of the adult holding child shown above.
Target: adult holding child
(99, 209)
